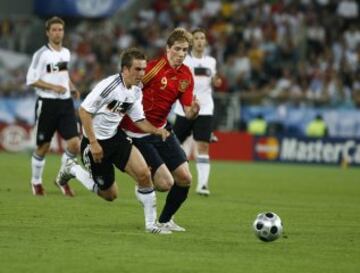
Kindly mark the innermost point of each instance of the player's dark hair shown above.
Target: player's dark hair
(179, 35)
(129, 55)
(54, 20)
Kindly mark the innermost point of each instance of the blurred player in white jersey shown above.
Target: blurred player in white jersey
(105, 145)
(54, 110)
(204, 70)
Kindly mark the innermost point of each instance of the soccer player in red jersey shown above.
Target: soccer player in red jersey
(166, 80)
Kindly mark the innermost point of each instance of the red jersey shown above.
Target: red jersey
(163, 85)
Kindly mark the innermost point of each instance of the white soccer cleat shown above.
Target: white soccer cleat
(203, 191)
(157, 229)
(63, 177)
(172, 226)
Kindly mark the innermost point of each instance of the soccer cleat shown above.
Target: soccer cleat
(171, 226)
(38, 190)
(203, 191)
(63, 177)
(158, 229)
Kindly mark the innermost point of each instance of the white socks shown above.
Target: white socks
(65, 156)
(147, 198)
(84, 177)
(203, 170)
(37, 168)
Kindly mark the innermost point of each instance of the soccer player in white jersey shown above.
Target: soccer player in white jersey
(105, 145)
(204, 70)
(54, 110)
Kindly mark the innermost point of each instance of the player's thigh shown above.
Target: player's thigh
(171, 152)
(103, 173)
(182, 128)
(150, 154)
(202, 128)
(137, 168)
(46, 120)
(67, 125)
(163, 179)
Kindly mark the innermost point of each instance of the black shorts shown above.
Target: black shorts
(55, 115)
(156, 152)
(116, 152)
(201, 128)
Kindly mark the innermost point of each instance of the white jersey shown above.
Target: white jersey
(50, 65)
(203, 69)
(109, 101)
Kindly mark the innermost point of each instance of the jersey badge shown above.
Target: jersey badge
(183, 84)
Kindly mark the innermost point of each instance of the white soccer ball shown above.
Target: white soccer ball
(268, 226)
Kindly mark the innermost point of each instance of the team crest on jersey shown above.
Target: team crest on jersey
(183, 84)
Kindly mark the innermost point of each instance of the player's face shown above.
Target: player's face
(135, 73)
(199, 41)
(56, 34)
(177, 53)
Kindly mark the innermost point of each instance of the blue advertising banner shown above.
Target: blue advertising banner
(308, 150)
(78, 8)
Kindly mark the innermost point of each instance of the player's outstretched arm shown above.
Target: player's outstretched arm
(147, 127)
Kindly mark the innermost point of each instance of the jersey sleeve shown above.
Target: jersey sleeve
(94, 101)
(214, 68)
(36, 68)
(187, 96)
(136, 112)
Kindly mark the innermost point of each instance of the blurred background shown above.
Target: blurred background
(285, 62)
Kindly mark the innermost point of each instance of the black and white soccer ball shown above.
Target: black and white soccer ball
(268, 226)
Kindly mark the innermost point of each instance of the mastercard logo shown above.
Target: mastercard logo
(267, 148)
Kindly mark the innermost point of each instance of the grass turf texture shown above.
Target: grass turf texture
(319, 207)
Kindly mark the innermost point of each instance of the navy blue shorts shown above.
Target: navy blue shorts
(157, 152)
(200, 128)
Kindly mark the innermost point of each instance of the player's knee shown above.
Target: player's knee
(184, 179)
(74, 146)
(144, 178)
(109, 195)
(164, 184)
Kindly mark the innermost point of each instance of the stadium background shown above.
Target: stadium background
(285, 60)
(319, 205)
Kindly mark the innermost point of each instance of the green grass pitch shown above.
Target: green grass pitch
(319, 206)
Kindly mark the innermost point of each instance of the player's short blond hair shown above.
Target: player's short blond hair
(54, 20)
(179, 35)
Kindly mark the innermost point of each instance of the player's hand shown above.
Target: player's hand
(195, 108)
(59, 89)
(96, 151)
(163, 133)
(75, 94)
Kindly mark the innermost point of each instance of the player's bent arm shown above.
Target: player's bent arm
(147, 127)
(45, 85)
(191, 112)
(86, 121)
(95, 148)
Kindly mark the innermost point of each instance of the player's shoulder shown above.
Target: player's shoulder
(109, 83)
(186, 69)
(156, 62)
(41, 51)
(210, 59)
